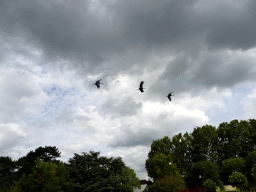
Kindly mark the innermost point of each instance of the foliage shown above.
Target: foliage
(206, 169)
(250, 163)
(160, 146)
(26, 163)
(160, 165)
(238, 180)
(231, 165)
(94, 173)
(45, 177)
(169, 183)
(254, 172)
(236, 139)
(129, 180)
(209, 186)
(7, 175)
(195, 189)
(204, 144)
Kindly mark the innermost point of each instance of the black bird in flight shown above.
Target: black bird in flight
(169, 96)
(141, 86)
(98, 83)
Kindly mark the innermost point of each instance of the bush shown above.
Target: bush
(209, 186)
(238, 180)
(169, 183)
(196, 189)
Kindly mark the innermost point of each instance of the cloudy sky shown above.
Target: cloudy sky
(53, 51)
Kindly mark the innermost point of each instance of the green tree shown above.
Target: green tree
(181, 151)
(160, 165)
(162, 146)
(129, 180)
(231, 165)
(238, 180)
(45, 177)
(254, 172)
(237, 139)
(7, 175)
(250, 163)
(207, 170)
(169, 183)
(94, 173)
(26, 163)
(177, 148)
(209, 186)
(205, 144)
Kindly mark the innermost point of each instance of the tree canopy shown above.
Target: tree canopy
(87, 172)
(45, 176)
(228, 148)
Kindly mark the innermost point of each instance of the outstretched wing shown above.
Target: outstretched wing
(141, 84)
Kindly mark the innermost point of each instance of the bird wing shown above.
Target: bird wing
(141, 84)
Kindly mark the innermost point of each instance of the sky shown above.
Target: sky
(53, 51)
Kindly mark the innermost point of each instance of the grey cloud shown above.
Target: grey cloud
(120, 108)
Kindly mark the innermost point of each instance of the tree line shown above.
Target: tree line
(40, 171)
(207, 157)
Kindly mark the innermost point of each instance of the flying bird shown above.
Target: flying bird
(141, 86)
(169, 96)
(98, 83)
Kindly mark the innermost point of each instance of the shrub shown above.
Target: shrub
(169, 183)
(238, 180)
(196, 189)
(209, 186)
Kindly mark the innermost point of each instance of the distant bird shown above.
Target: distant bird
(98, 83)
(169, 96)
(141, 86)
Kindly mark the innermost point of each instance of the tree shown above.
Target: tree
(162, 146)
(250, 163)
(209, 186)
(238, 180)
(231, 165)
(129, 181)
(94, 173)
(181, 151)
(26, 163)
(7, 175)
(160, 165)
(237, 139)
(207, 170)
(46, 176)
(165, 174)
(205, 144)
(169, 183)
(254, 172)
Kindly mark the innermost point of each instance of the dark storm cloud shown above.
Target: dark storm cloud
(95, 34)
(74, 30)
(232, 26)
(196, 75)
